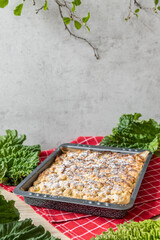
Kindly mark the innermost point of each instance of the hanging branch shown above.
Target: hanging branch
(64, 4)
(44, 7)
(135, 7)
(137, 4)
(39, 9)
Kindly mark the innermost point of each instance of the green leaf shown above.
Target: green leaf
(77, 2)
(3, 3)
(24, 230)
(88, 28)
(66, 20)
(158, 8)
(77, 25)
(16, 160)
(156, 142)
(45, 7)
(3, 169)
(11, 139)
(156, 2)
(73, 8)
(137, 10)
(12, 229)
(85, 19)
(18, 10)
(8, 212)
(134, 133)
(143, 230)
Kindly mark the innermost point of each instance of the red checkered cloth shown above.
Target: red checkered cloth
(82, 227)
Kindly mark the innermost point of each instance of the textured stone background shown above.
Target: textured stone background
(54, 90)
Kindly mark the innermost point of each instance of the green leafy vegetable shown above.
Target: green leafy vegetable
(134, 133)
(11, 229)
(3, 3)
(11, 139)
(18, 10)
(16, 160)
(144, 230)
(8, 212)
(24, 230)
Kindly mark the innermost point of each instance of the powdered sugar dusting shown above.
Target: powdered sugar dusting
(97, 176)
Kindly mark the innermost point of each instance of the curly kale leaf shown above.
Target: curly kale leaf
(11, 139)
(16, 160)
(131, 132)
(144, 230)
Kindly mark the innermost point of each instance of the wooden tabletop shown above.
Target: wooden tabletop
(27, 212)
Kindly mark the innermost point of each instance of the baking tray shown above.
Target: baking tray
(73, 204)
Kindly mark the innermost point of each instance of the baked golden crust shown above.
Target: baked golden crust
(97, 176)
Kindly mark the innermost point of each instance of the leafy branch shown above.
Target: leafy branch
(78, 24)
(135, 7)
(44, 7)
(73, 17)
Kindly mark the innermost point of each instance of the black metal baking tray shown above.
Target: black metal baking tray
(73, 204)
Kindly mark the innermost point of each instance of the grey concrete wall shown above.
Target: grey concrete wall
(54, 90)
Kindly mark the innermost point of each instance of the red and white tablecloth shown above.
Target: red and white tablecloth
(83, 227)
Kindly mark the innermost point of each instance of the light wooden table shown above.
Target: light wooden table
(27, 212)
